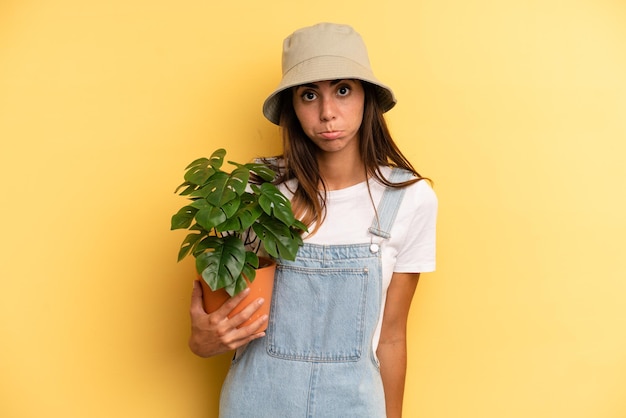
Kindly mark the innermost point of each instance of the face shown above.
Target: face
(330, 113)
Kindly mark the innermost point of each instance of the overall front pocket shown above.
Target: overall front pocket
(318, 314)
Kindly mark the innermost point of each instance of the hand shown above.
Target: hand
(215, 333)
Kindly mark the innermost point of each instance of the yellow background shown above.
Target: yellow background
(516, 109)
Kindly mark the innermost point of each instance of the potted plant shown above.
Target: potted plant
(230, 219)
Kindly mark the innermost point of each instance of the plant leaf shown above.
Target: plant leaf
(210, 217)
(249, 268)
(217, 158)
(222, 266)
(228, 187)
(223, 187)
(200, 204)
(299, 226)
(198, 172)
(248, 212)
(202, 169)
(189, 188)
(217, 182)
(209, 242)
(278, 239)
(230, 208)
(188, 243)
(236, 287)
(260, 169)
(183, 218)
(238, 180)
(274, 203)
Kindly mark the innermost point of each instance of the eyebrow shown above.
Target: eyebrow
(314, 85)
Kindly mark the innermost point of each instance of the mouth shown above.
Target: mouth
(330, 134)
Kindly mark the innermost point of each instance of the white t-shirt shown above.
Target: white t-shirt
(411, 247)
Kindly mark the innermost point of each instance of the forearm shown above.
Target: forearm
(393, 358)
(392, 351)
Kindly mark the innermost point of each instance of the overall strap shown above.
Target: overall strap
(389, 204)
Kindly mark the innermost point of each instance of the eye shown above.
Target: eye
(308, 96)
(343, 91)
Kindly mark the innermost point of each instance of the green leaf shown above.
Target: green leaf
(183, 218)
(223, 187)
(198, 172)
(208, 243)
(249, 268)
(260, 169)
(189, 188)
(236, 287)
(230, 208)
(200, 162)
(202, 169)
(210, 217)
(227, 188)
(200, 204)
(248, 212)
(218, 182)
(299, 226)
(255, 189)
(278, 239)
(188, 243)
(248, 274)
(217, 158)
(222, 266)
(274, 203)
(238, 180)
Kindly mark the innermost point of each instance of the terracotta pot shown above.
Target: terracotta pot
(261, 287)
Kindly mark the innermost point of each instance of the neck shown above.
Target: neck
(339, 173)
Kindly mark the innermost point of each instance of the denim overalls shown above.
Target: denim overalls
(317, 359)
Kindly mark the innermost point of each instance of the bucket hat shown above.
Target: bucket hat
(326, 51)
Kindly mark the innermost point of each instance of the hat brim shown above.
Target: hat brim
(325, 68)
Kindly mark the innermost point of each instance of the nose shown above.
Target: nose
(327, 109)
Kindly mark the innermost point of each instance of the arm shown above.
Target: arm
(392, 351)
(215, 333)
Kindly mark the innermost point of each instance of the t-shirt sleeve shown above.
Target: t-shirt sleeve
(417, 252)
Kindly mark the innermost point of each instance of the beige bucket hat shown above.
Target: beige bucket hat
(326, 51)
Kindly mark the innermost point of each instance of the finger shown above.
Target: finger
(232, 303)
(254, 327)
(247, 313)
(249, 332)
(251, 337)
(238, 337)
(196, 298)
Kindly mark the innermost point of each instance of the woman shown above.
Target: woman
(336, 340)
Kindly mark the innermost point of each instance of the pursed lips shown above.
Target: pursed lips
(330, 134)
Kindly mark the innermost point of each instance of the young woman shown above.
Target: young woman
(336, 341)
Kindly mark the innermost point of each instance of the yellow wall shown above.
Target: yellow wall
(516, 109)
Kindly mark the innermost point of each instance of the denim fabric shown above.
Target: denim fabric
(316, 360)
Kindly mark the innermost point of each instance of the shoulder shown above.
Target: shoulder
(422, 192)
(419, 193)
(419, 206)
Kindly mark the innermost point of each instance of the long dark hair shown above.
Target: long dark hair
(298, 160)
